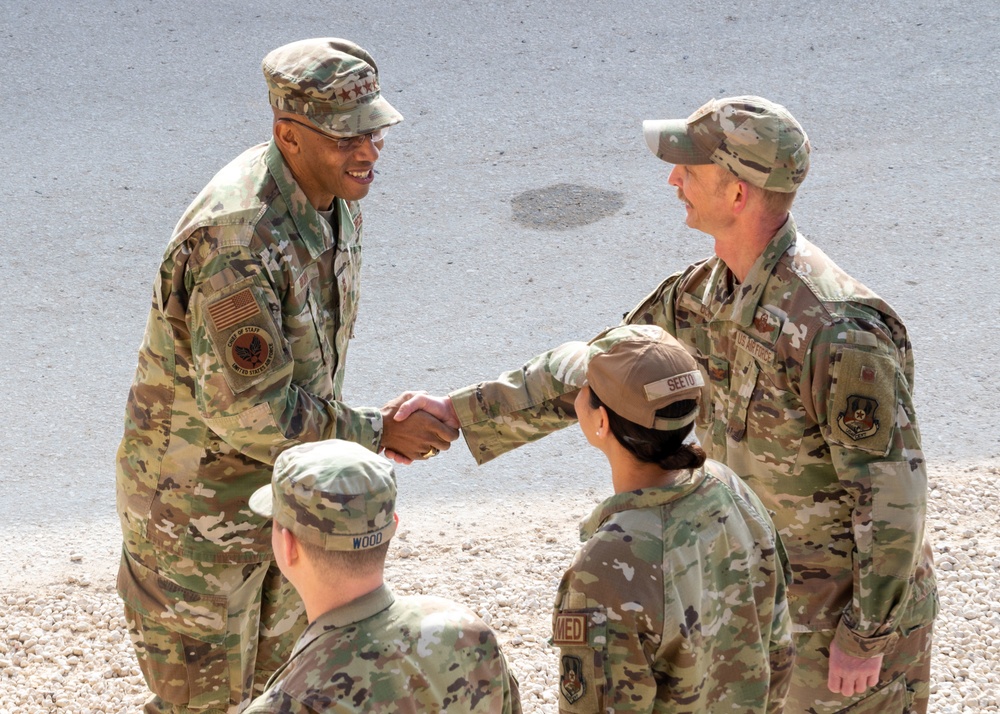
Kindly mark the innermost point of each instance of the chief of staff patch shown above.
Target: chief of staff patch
(249, 351)
(858, 419)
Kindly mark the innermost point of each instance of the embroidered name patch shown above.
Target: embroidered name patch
(249, 350)
(671, 385)
(233, 309)
(570, 629)
(758, 351)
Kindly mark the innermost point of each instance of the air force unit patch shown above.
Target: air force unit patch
(858, 420)
(572, 684)
(862, 409)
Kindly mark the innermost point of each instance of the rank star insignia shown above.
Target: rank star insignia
(572, 685)
(858, 419)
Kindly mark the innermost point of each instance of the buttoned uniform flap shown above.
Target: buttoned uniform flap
(862, 403)
(581, 636)
(179, 609)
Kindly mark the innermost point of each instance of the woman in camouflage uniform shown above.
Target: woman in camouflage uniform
(676, 601)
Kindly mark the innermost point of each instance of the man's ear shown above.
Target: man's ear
(740, 195)
(286, 136)
(289, 545)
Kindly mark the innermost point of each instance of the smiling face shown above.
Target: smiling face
(322, 169)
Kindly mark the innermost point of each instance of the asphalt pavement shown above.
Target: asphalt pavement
(515, 208)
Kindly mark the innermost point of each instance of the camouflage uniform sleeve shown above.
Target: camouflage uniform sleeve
(860, 388)
(518, 407)
(781, 651)
(525, 404)
(247, 374)
(781, 645)
(657, 308)
(607, 608)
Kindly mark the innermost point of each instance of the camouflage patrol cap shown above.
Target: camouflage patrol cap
(756, 140)
(334, 494)
(636, 370)
(331, 82)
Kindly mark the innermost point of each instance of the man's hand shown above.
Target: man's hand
(440, 407)
(405, 440)
(851, 675)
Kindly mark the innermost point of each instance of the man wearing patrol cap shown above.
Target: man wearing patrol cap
(243, 357)
(808, 397)
(365, 650)
(683, 556)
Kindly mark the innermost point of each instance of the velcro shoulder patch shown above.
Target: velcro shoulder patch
(863, 400)
(246, 340)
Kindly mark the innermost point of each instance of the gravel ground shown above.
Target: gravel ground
(65, 647)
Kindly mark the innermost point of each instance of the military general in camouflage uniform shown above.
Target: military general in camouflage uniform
(677, 600)
(244, 357)
(365, 650)
(808, 397)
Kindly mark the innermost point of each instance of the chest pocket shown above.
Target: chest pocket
(347, 272)
(304, 328)
(767, 414)
(744, 381)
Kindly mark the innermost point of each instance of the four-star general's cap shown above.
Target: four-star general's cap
(331, 82)
(335, 494)
(755, 139)
(635, 370)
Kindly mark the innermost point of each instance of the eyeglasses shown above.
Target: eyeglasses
(345, 143)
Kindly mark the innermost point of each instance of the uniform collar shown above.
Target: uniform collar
(355, 611)
(743, 304)
(642, 498)
(315, 232)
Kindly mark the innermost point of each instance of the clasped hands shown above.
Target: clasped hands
(416, 426)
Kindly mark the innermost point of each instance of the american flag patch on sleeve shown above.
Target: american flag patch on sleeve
(233, 309)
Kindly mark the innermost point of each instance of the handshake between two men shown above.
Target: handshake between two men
(417, 426)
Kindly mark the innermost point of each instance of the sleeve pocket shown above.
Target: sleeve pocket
(581, 636)
(862, 411)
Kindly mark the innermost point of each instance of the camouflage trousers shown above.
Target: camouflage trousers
(903, 686)
(207, 635)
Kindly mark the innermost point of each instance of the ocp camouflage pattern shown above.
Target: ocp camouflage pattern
(809, 399)
(243, 357)
(189, 620)
(676, 603)
(385, 654)
(331, 82)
